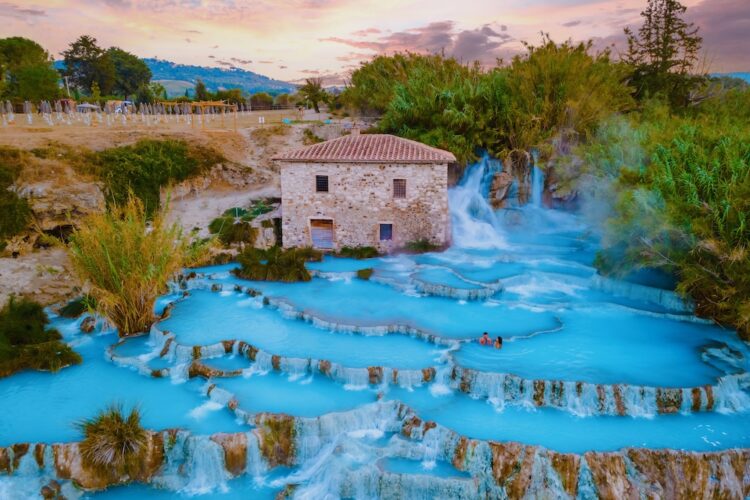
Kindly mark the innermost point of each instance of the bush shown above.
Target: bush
(78, 306)
(146, 166)
(25, 342)
(230, 230)
(276, 264)
(16, 212)
(683, 205)
(113, 442)
(128, 262)
(358, 252)
(365, 274)
(421, 246)
(309, 137)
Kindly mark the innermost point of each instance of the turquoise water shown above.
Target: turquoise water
(565, 432)
(44, 407)
(209, 317)
(308, 396)
(606, 345)
(434, 468)
(559, 319)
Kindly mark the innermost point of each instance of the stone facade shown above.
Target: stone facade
(360, 197)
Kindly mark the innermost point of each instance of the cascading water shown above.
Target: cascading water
(475, 224)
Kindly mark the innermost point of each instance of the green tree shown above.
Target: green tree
(131, 72)
(86, 63)
(283, 100)
(231, 96)
(201, 92)
(373, 84)
(150, 92)
(26, 71)
(664, 52)
(37, 83)
(313, 93)
(96, 94)
(261, 100)
(561, 86)
(441, 104)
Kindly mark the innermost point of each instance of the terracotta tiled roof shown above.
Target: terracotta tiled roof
(368, 148)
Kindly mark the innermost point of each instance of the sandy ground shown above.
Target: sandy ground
(44, 276)
(197, 211)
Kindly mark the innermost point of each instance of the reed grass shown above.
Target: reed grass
(127, 262)
(276, 264)
(112, 441)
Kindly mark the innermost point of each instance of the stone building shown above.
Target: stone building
(365, 190)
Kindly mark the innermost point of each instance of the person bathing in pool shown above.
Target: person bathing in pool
(499, 342)
(485, 339)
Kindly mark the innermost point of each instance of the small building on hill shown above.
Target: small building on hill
(365, 190)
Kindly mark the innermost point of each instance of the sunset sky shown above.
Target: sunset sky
(293, 39)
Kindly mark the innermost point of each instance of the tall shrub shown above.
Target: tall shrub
(127, 262)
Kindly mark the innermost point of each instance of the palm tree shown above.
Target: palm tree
(313, 92)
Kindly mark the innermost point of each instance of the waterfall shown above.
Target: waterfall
(474, 222)
(537, 186)
(194, 465)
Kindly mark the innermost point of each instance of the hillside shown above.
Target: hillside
(178, 77)
(216, 78)
(742, 76)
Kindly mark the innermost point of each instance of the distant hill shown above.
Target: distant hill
(742, 76)
(178, 77)
(217, 78)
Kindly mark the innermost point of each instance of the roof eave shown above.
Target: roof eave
(383, 162)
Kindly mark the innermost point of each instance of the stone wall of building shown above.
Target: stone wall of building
(360, 198)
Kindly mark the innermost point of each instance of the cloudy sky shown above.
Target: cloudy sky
(292, 39)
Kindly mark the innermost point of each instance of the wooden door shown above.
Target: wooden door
(321, 231)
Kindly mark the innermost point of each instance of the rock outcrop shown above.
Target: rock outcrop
(499, 189)
(495, 469)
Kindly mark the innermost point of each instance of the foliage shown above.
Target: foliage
(231, 96)
(26, 71)
(86, 63)
(261, 100)
(78, 306)
(25, 341)
(114, 442)
(313, 93)
(373, 84)
(16, 212)
(232, 229)
(283, 100)
(309, 137)
(365, 274)
(421, 246)
(127, 261)
(685, 206)
(557, 87)
(131, 73)
(440, 104)
(150, 93)
(664, 52)
(463, 108)
(276, 264)
(148, 165)
(201, 93)
(359, 252)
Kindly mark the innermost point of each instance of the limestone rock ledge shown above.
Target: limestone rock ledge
(496, 470)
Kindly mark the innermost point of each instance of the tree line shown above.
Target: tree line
(654, 151)
(91, 72)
